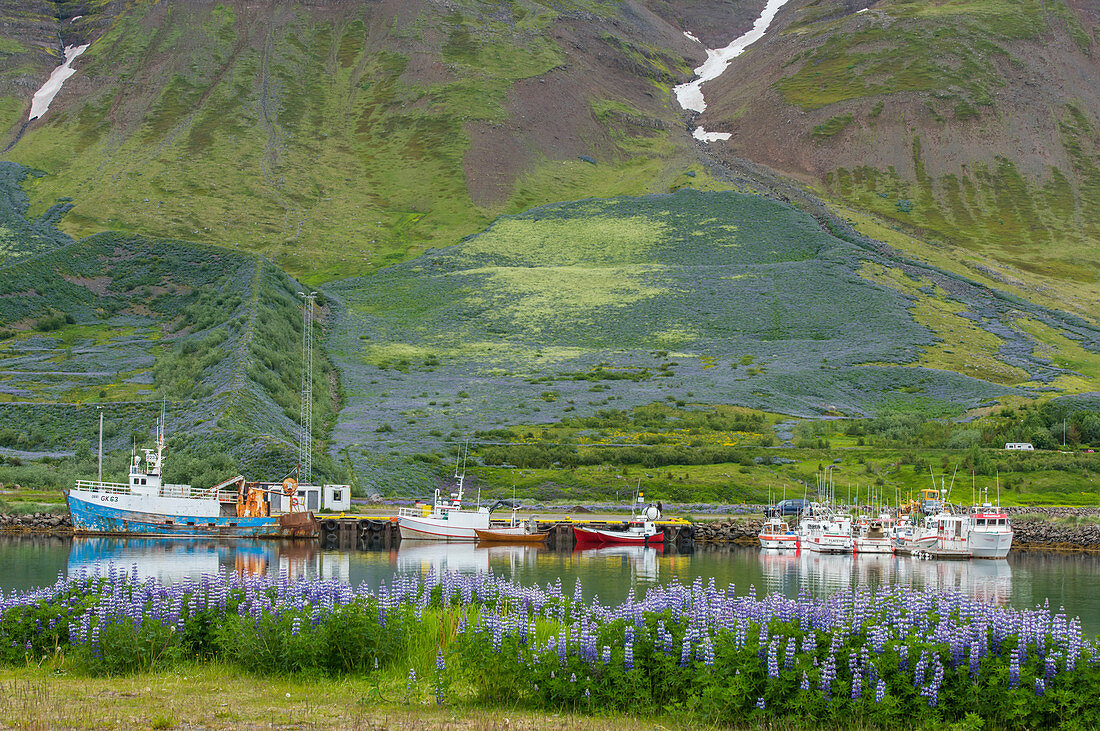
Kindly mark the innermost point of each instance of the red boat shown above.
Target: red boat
(637, 533)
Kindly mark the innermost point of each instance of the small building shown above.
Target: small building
(1021, 446)
(337, 497)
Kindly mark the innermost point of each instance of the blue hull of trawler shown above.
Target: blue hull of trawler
(90, 518)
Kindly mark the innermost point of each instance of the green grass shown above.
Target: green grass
(951, 46)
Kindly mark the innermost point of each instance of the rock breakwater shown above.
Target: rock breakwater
(35, 522)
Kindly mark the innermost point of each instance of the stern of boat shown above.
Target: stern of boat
(299, 525)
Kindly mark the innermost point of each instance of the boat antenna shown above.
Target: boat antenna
(998, 488)
(160, 436)
(952, 480)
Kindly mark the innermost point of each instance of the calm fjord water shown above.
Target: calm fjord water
(1025, 579)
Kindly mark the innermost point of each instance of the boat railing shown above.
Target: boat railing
(174, 491)
(117, 488)
(421, 511)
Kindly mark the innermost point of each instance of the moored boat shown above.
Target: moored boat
(874, 536)
(989, 532)
(516, 534)
(826, 533)
(636, 534)
(775, 534)
(146, 506)
(640, 531)
(444, 519)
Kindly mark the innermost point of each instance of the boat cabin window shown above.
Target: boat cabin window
(1002, 521)
(980, 521)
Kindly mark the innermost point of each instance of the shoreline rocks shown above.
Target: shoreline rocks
(36, 523)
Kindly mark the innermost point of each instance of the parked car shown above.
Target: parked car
(794, 506)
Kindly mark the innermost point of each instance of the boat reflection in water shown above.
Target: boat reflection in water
(821, 574)
(422, 556)
(624, 566)
(169, 560)
(638, 562)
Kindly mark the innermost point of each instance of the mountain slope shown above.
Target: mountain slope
(342, 136)
(974, 124)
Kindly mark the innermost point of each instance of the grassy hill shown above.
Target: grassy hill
(123, 321)
(971, 125)
(694, 298)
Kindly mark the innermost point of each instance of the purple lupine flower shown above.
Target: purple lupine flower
(708, 652)
(880, 691)
(1040, 687)
(440, 673)
(760, 703)
(857, 676)
(628, 649)
(805, 685)
(1013, 669)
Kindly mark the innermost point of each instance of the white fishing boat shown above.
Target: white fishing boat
(989, 532)
(826, 533)
(874, 536)
(444, 519)
(776, 535)
(913, 538)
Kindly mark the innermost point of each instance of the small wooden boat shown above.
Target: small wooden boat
(518, 534)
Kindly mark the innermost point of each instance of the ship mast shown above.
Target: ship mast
(305, 453)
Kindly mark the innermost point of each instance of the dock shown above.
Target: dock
(368, 532)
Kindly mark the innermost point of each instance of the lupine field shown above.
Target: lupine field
(872, 658)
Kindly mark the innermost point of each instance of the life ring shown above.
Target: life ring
(290, 486)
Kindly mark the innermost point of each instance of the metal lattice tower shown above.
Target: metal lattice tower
(305, 437)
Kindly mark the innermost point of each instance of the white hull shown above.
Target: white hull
(828, 544)
(779, 543)
(873, 545)
(457, 526)
(984, 544)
